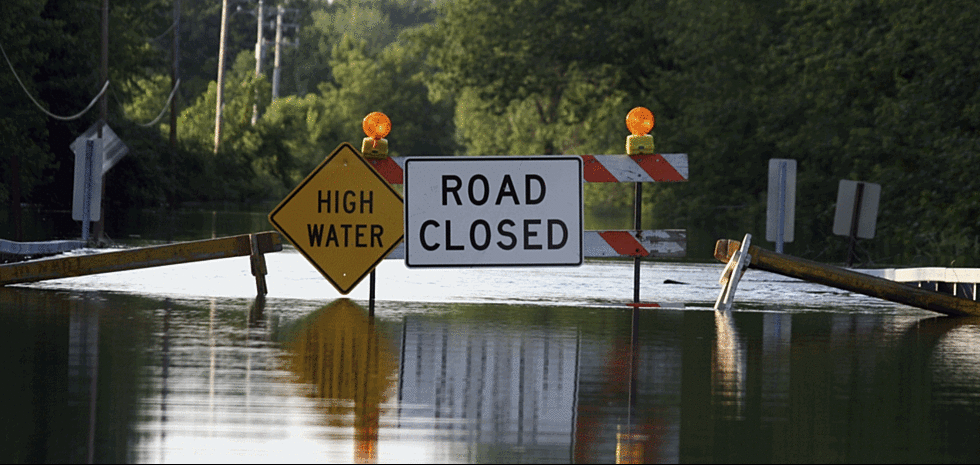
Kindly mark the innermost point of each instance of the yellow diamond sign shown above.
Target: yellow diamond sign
(344, 218)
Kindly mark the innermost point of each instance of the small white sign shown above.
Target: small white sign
(493, 211)
(867, 208)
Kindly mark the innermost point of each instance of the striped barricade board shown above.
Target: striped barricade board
(658, 243)
(667, 167)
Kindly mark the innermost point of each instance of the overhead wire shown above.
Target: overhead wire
(164, 110)
(39, 106)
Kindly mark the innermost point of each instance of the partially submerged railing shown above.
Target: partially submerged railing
(828, 275)
(252, 245)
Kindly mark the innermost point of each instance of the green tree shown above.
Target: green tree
(886, 92)
(503, 58)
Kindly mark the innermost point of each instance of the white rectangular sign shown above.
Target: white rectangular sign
(867, 210)
(493, 211)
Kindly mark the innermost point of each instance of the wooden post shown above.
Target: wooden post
(221, 75)
(258, 266)
(853, 281)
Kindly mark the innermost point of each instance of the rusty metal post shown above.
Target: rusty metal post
(371, 295)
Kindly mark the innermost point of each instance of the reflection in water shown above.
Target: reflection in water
(337, 352)
(83, 364)
(118, 378)
(59, 402)
(728, 375)
(490, 386)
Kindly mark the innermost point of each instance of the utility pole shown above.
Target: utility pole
(174, 76)
(221, 75)
(275, 70)
(103, 111)
(260, 14)
(104, 68)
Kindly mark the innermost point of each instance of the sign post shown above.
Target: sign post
(87, 194)
(781, 204)
(344, 218)
(493, 211)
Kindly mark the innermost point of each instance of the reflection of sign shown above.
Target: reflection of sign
(337, 352)
(493, 211)
(344, 218)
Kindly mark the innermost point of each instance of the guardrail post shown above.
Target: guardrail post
(258, 266)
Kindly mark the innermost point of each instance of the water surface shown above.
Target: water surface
(183, 363)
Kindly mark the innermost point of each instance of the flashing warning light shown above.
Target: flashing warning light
(639, 121)
(376, 125)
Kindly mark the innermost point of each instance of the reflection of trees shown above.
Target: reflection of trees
(71, 377)
(337, 352)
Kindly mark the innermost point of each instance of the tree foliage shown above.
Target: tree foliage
(882, 91)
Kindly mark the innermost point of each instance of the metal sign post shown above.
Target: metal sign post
(781, 205)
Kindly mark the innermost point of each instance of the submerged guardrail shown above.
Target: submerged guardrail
(253, 245)
(848, 280)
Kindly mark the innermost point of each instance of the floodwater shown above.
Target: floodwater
(492, 365)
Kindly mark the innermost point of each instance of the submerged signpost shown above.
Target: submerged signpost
(344, 218)
(469, 211)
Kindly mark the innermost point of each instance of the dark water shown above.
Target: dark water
(120, 377)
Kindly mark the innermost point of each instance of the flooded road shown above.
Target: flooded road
(525, 365)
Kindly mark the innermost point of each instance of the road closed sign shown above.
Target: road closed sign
(493, 211)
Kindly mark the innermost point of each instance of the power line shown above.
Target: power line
(165, 106)
(62, 118)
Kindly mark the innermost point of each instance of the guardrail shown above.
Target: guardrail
(253, 245)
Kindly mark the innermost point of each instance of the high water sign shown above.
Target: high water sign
(493, 211)
(344, 218)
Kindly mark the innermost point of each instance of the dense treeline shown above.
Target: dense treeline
(883, 91)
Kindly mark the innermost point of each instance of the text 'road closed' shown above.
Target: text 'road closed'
(493, 211)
